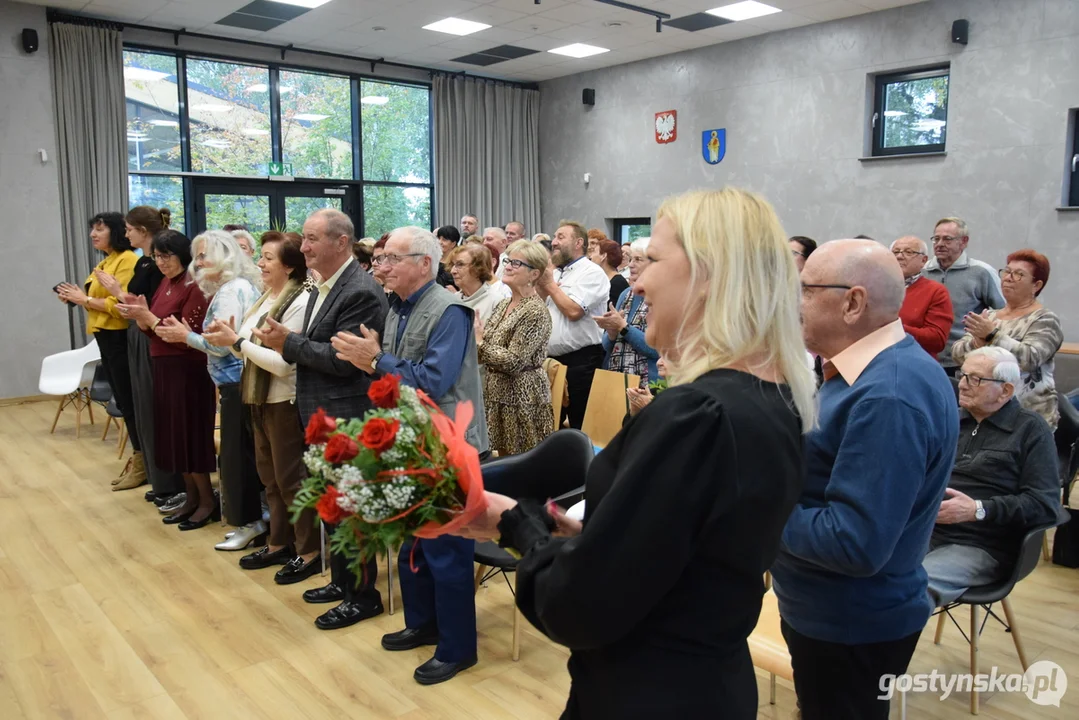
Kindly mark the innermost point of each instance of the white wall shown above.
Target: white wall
(33, 323)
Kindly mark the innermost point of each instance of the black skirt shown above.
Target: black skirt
(184, 410)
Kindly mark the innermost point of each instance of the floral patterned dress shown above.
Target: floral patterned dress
(516, 392)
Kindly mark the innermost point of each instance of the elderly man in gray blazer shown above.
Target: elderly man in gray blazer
(346, 299)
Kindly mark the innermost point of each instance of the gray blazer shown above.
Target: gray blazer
(323, 381)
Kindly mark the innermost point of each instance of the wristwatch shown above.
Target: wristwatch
(375, 359)
(236, 345)
(979, 510)
(623, 332)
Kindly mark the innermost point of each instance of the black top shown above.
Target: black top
(618, 285)
(444, 277)
(1009, 462)
(146, 278)
(684, 511)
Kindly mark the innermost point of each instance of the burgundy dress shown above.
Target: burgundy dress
(184, 401)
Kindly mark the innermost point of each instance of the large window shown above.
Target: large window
(910, 112)
(386, 207)
(629, 229)
(229, 106)
(159, 191)
(153, 112)
(316, 124)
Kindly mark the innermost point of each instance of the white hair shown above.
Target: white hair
(1005, 365)
(225, 262)
(640, 245)
(246, 236)
(541, 236)
(921, 243)
(497, 232)
(423, 241)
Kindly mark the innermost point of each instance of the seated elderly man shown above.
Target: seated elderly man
(1004, 482)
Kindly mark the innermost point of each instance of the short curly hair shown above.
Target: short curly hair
(479, 260)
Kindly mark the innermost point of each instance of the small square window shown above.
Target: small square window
(1073, 161)
(910, 112)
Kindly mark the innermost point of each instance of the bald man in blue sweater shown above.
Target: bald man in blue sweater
(852, 592)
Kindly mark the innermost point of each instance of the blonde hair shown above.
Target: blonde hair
(534, 254)
(225, 262)
(738, 253)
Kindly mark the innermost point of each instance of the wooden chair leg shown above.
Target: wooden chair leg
(940, 626)
(122, 441)
(480, 570)
(771, 688)
(78, 420)
(1045, 548)
(516, 623)
(108, 424)
(59, 409)
(974, 657)
(89, 405)
(1015, 633)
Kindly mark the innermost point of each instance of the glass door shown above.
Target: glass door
(262, 205)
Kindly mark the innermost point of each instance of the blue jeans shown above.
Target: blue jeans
(954, 569)
(441, 594)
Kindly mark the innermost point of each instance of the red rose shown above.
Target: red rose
(328, 509)
(319, 428)
(379, 434)
(340, 448)
(385, 392)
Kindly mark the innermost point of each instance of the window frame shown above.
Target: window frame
(876, 118)
(620, 223)
(275, 69)
(1072, 169)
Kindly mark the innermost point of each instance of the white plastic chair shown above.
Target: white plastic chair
(69, 374)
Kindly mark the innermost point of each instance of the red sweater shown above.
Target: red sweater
(927, 314)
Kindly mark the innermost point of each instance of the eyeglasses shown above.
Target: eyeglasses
(161, 257)
(518, 264)
(938, 239)
(975, 380)
(460, 265)
(806, 286)
(1016, 275)
(392, 259)
(906, 253)
(798, 254)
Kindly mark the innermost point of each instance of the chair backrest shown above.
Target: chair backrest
(1067, 431)
(1029, 553)
(556, 375)
(556, 466)
(607, 405)
(100, 390)
(67, 371)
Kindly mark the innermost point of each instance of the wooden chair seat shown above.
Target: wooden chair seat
(766, 644)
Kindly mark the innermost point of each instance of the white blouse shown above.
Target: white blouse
(283, 380)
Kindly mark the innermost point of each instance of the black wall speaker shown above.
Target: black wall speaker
(961, 31)
(29, 40)
(588, 97)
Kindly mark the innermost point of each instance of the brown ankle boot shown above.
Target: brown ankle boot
(125, 472)
(136, 477)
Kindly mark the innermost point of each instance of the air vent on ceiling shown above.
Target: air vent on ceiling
(696, 21)
(262, 15)
(495, 55)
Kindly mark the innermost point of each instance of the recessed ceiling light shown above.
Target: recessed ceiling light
(309, 117)
(894, 113)
(743, 10)
(579, 50)
(255, 132)
(216, 143)
(374, 100)
(302, 3)
(212, 107)
(137, 73)
(137, 137)
(168, 123)
(257, 87)
(456, 26)
(284, 89)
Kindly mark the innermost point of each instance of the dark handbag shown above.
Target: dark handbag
(1066, 539)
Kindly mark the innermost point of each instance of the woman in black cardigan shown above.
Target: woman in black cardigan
(658, 590)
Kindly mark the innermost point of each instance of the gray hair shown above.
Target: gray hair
(960, 225)
(246, 236)
(1005, 366)
(496, 231)
(640, 244)
(423, 241)
(539, 237)
(337, 224)
(921, 243)
(225, 262)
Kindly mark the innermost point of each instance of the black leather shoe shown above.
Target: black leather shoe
(150, 496)
(263, 558)
(348, 613)
(162, 500)
(296, 570)
(178, 517)
(408, 639)
(435, 671)
(214, 516)
(326, 594)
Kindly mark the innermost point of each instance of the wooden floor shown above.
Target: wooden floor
(107, 613)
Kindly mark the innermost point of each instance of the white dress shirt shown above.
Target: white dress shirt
(587, 285)
(324, 288)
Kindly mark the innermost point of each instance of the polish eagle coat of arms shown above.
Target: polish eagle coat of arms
(666, 126)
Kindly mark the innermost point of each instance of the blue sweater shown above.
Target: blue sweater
(849, 569)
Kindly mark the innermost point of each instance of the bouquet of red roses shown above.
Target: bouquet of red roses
(405, 470)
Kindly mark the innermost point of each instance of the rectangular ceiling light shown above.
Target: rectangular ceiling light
(743, 10)
(579, 50)
(302, 3)
(456, 26)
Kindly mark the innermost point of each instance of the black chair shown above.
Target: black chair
(1066, 435)
(100, 391)
(113, 415)
(984, 597)
(556, 468)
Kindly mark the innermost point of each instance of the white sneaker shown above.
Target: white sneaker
(240, 538)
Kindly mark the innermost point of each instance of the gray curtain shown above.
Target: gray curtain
(91, 122)
(486, 152)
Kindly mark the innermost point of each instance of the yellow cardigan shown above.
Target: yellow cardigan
(121, 265)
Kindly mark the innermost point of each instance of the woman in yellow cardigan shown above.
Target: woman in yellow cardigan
(108, 234)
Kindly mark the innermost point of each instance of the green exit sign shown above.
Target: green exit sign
(277, 168)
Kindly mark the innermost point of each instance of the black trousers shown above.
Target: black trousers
(842, 682)
(241, 487)
(356, 589)
(113, 347)
(581, 366)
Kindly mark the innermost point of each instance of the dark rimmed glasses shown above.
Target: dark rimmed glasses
(975, 380)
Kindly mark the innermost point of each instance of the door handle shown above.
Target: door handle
(1075, 161)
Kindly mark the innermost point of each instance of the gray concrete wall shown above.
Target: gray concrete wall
(34, 323)
(794, 106)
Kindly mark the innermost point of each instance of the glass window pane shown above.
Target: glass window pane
(396, 132)
(251, 211)
(159, 191)
(153, 112)
(916, 112)
(634, 232)
(298, 208)
(386, 208)
(316, 124)
(229, 106)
